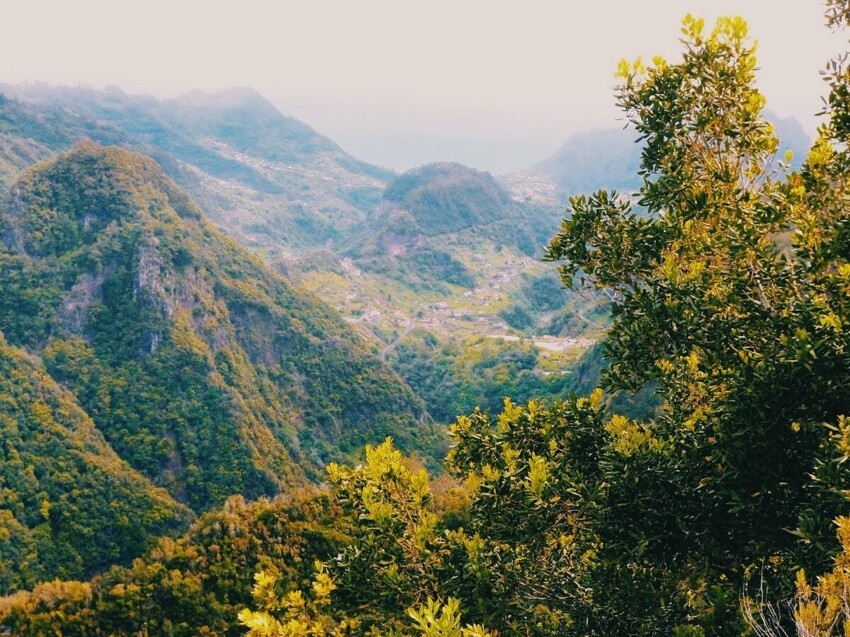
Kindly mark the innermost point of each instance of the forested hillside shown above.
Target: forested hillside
(195, 584)
(426, 207)
(70, 505)
(204, 371)
(715, 516)
(447, 273)
(701, 489)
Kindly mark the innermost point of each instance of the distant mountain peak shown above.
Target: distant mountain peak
(233, 98)
(609, 158)
(447, 196)
(269, 179)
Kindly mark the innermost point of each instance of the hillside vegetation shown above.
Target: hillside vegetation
(70, 506)
(272, 181)
(195, 584)
(387, 251)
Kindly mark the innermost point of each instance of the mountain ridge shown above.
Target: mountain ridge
(269, 179)
(209, 374)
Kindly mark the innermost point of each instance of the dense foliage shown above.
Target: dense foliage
(69, 506)
(586, 375)
(456, 377)
(194, 585)
(514, 544)
(730, 297)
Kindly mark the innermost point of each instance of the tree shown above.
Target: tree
(729, 277)
(395, 570)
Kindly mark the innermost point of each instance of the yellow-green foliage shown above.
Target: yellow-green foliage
(390, 502)
(433, 619)
(513, 546)
(201, 369)
(294, 615)
(194, 585)
(729, 291)
(47, 609)
(730, 296)
(823, 609)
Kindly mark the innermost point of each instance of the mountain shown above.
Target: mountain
(449, 197)
(447, 273)
(609, 159)
(425, 206)
(205, 371)
(270, 180)
(592, 160)
(69, 505)
(441, 247)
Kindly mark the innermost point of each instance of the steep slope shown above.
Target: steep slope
(69, 506)
(447, 274)
(206, 372)
(250, 124)
(271, 181)
(441, 248)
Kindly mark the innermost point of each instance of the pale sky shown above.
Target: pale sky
(495, 84)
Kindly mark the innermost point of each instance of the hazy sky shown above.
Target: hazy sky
(495, 84)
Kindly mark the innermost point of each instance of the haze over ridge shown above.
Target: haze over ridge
(401, 85)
